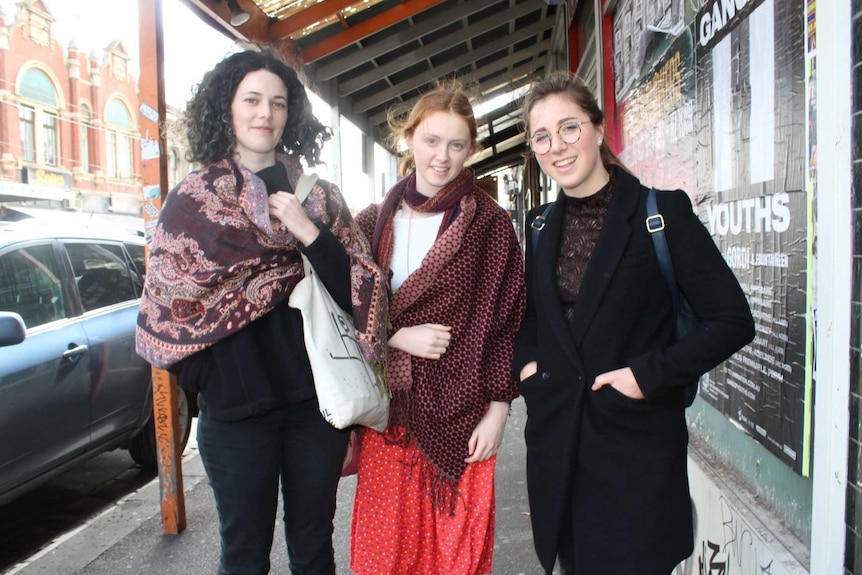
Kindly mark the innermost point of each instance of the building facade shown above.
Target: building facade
(69, 135)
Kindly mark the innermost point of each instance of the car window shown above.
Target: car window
(136, 251)
(30, 285)
(102, 274)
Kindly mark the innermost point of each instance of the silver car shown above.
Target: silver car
(71, 384)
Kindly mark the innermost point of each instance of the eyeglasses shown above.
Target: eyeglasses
(570, 133)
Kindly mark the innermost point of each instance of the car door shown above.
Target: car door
(44, 380)
(109, 289)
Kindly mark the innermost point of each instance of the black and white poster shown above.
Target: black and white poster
(713, 102)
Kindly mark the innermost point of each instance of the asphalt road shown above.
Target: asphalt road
(34, 520)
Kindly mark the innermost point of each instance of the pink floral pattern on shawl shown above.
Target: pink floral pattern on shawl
(217, 261)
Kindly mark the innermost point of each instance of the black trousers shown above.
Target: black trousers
(245, 460)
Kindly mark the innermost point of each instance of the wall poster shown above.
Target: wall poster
(712, 100)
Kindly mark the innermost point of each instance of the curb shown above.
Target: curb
(70, 553)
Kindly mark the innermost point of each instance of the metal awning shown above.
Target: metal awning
(365, 56)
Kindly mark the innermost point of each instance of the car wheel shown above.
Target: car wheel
(143, 447)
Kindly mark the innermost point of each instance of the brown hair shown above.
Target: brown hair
(447, 96)
(569, 86)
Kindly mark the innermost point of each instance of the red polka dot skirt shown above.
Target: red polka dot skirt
(397, 531)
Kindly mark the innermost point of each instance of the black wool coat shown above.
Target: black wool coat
(616, 466)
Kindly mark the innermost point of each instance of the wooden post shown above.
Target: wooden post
(154, 173)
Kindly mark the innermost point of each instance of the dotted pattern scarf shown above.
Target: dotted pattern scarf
(217, 261)
(472, 280)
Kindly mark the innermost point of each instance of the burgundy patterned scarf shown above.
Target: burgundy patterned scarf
(218, 261)
(447, 200)
(472, 280)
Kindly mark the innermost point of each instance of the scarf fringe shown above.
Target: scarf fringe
(443, 491)
(440, 488)
(398, 432)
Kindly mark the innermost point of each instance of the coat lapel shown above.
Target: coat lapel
(549, 310)
(609, 250)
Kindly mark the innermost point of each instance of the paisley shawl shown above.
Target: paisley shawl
(218, 261)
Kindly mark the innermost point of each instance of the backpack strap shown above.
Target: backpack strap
(538, 225)
(655, 226)
(682, 313)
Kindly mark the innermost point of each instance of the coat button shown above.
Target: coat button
(546, 375)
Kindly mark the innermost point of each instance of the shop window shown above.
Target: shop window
(50, 140)
(27, 123)
(84, 157)
(40, 145)
(118, 140)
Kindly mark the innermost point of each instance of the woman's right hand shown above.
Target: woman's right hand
(428, 340)
(529, 370)
(288, 209)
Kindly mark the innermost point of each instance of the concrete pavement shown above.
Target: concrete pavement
(128, 537)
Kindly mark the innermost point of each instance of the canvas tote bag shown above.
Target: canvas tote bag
(348, 390)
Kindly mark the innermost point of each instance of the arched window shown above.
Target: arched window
(86, 122)
(119, 139)
(40, 145)
(37, 86)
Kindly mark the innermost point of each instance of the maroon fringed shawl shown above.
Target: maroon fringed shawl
(218, 261)
(471, 279)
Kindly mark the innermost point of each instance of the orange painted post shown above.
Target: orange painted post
(154, 173)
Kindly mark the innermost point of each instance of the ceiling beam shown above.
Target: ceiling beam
(508, 144)
(441, 45)
(405, 10)
(496, 66)
(512, 74)
(395, 41)
(518, 76)
(308, 16)
(389, 95)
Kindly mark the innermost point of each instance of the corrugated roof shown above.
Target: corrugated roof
(366, 56)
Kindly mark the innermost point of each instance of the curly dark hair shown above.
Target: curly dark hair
(207, 119)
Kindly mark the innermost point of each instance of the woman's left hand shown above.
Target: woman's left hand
(289, 211)
(488, 435)
(623, 380)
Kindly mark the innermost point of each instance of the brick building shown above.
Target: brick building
(69, 136)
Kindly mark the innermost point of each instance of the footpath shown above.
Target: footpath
(128, 537)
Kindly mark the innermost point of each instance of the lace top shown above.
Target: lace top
(582, 224)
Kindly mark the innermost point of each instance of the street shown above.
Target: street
(34, 520)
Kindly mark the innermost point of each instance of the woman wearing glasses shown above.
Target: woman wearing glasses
(600, 369)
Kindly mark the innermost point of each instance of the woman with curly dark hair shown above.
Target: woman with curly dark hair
(224, 258)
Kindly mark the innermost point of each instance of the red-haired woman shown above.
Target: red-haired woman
(425, 492)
